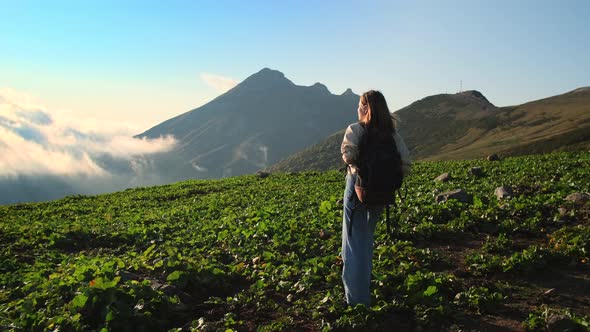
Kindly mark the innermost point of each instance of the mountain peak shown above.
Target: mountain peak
(474, 94)
(348, 92)
(266, 77)
(269, 72)
(320, 87)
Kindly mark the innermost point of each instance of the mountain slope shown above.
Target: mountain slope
(466, 125)
(560, 122)
(260, 121)
(431, 123)
(322, 156)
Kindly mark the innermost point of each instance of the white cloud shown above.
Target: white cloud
(37, 141)
(23, 157)
(24, 100)
(198, 168)
(218, 82)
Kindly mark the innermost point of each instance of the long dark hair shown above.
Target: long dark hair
(378, 119)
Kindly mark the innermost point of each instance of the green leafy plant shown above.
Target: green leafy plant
(242, 253)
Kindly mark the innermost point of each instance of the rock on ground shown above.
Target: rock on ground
(444, 177)
(458, 194)
(578, 198)
(493, 157)
(503, 192)
(476, 171)
(262, 175)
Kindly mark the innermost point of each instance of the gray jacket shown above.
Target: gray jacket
(350, 148)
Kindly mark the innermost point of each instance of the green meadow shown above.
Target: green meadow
(252, 253)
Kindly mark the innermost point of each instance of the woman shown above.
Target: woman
(357, 250)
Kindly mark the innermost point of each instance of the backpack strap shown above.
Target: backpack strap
(399, 192)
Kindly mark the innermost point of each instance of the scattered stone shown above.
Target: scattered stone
(172, 290)
(325, 234)
(126, 275)
(262, 175)
(476, 171)
(578, 198)
(156, 285)
(444, 177)
(201, 322)
(493, 157)
(562, 323)
(139, 305)
(458, 194)
(503, 192)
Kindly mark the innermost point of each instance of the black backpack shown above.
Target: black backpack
(379, 169)
(379, 173)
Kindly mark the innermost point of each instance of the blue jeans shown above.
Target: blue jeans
(357, 245)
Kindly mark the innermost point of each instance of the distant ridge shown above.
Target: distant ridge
(467, 125)
(583, 89)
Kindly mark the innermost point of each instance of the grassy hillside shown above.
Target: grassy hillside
(246, 253)
(558, 123)
(430, 124)
(323, 156)
(467, 125)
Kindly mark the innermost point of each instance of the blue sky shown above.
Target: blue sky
(142, 62)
